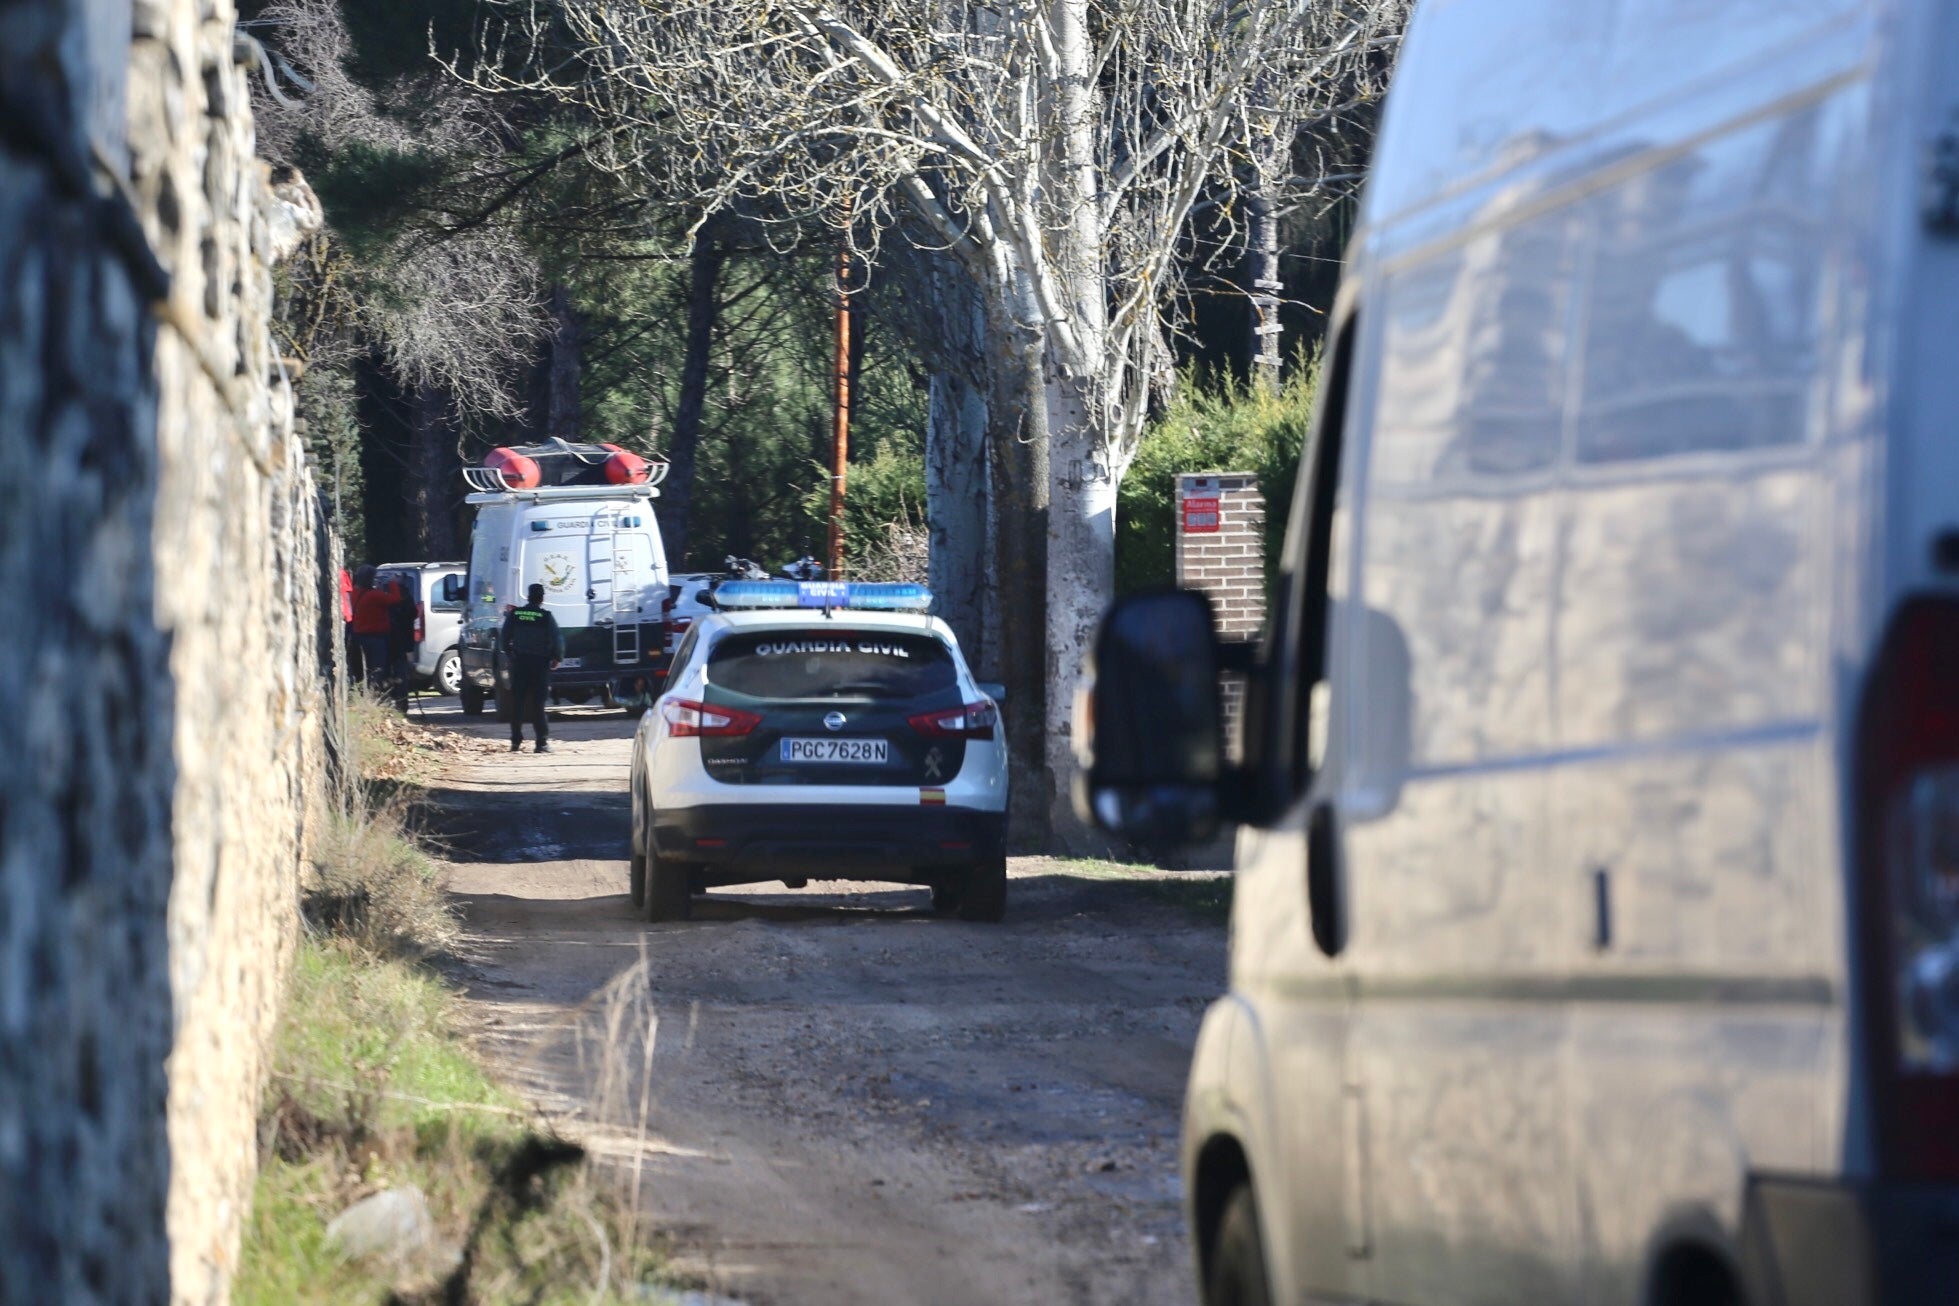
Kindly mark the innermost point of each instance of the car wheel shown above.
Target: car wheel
(449, 672)
(472, 699)
(669, 889)
(1237, 1276)
(945, 895)
(506, 701)
(636, 873)
(636, 857)
(983, 896)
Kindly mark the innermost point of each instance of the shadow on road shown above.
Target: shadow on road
(817, 908)
(525, 824)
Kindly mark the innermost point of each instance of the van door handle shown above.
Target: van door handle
(1325, 903)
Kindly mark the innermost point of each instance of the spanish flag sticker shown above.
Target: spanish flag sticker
(931, 797)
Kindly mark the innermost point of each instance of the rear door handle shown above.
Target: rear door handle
(1324, 899)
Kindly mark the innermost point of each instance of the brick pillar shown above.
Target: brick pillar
(1220, 529)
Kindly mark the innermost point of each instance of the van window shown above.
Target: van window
(1462, 509)
(1475, 356)
(484, 546)
(825, 663)
(1706, 297)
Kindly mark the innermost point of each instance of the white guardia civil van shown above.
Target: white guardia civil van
(1596, 929)
(577, 519)
(820, 730)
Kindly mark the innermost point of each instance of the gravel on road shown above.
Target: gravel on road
(849, 1100)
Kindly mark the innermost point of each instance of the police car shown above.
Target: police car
(820, 730)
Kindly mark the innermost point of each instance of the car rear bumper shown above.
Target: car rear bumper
(1838, 1244)
(737, 842)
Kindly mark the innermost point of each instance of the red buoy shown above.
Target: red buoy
(623, 468)
(519, 472)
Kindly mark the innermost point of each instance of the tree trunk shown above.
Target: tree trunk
(557, 407)
(1262, 268)
(956, 510)
(1081, 517)
(435, 478)
(1080, 583)
(677, 491)
(1017, 453)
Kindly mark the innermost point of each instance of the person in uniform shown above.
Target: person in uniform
(534, 646)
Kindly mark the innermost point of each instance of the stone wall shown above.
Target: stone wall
(164, 615)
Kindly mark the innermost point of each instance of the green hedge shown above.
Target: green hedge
(1211, 428)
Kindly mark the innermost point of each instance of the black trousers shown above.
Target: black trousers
(530, 681)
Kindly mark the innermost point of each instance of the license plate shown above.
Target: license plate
(836, 750)
(571, 662)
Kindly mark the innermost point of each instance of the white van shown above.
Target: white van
(1596, 930)
(597, 551)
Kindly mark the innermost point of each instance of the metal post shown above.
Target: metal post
(840, 453)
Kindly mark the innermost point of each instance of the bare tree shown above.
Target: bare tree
(1054, 148)
(453, 303)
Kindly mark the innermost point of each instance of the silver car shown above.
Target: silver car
(436, 589)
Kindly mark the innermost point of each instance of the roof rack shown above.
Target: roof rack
(572, 493)
(486, 480)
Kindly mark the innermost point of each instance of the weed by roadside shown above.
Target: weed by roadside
(375, 1090)
(1204, 894)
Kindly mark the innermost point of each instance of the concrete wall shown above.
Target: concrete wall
(162, 622)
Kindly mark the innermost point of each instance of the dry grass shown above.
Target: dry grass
(373, 885)
(375, 1085)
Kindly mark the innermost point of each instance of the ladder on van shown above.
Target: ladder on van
(601, 555)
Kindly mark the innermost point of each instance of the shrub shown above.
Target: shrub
(1211, 427)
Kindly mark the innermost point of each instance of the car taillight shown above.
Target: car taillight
(687, 719)
(419, 626)
(973, 721)
(1908, 848)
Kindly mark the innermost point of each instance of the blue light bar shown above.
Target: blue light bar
(861, 595)
(891, 596)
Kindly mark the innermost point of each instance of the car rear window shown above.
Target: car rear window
(831, 663)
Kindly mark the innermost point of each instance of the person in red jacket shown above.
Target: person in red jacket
(373, 609)
(356, 664)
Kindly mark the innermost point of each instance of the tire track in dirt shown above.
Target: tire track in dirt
(850, 1100)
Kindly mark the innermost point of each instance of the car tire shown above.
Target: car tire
(636, 856)
(983, 895)
(669, 889)
(472, 699)
(636, 874)
(945, 895)
(506, 701)
(449, 673)
(1237, 1271)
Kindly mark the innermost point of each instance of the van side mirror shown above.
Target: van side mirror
(1149, 729)
(452, 589)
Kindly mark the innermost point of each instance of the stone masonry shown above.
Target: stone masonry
(1220, 528)
(164, 615)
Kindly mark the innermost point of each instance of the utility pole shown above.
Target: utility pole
(840, 453)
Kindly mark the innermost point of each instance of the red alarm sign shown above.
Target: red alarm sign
(1200, 516)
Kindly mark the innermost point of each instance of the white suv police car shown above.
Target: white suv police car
(820, 730)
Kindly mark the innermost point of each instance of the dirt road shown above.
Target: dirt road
(851, 1101)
